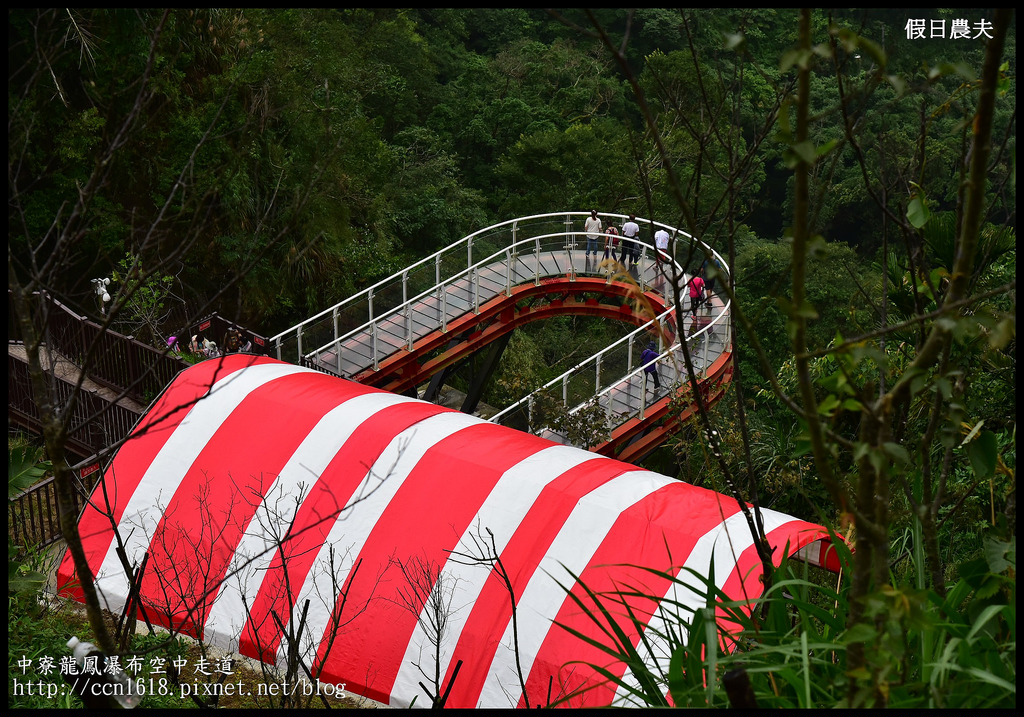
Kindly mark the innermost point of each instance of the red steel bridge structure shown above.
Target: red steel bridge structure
(408, 332)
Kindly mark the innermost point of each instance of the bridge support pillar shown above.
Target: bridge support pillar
(483, 374)
(438, 379)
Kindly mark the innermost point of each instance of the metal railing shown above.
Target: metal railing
(419, 278)
(118, 362)
(214, 327)
(612, 372)
(33, 516)
(94, 422)
(528, 260)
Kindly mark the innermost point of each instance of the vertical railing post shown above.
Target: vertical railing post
(643, 393)
(437, 283)
(529, 414)
(643, 263)
(629, 356)
(337, 358)
(277, 344)
(334, 318)
(508, 272)
(476, 289)
(373, 334)
(408, 327)
(565, 391)
(298, 341)
(444, 310)
(469, 252)
(597, 375)
(536, 270)
(408, 312)
(707, 341)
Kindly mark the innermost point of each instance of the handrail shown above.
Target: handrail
(95, 422)
(640, 410)
(467, 273)
(463, 247)
(720, 318)
(33, 516)
(120, 363)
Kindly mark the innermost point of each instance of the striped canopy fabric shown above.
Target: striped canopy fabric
(259, 491)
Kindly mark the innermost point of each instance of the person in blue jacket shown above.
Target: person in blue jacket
(649, 355)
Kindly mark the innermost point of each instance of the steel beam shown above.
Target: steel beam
(482, 374)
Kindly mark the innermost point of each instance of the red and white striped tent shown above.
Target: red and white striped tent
(256, 486)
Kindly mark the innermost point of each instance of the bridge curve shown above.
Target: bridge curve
(527, 273)
(499, 315)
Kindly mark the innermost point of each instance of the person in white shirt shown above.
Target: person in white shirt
(661, 239)
(630, 231)
(592, 227)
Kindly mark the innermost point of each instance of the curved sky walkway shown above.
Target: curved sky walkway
(415, 324)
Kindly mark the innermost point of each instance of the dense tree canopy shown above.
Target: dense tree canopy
(419, 126)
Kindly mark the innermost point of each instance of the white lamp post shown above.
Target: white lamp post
(100, 286)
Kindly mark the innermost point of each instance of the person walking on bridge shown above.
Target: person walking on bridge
(611, 242)
(649, 357)
(630, 232)
(697, 293)
(592, 227)
(661, 240)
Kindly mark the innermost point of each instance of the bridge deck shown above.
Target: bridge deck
(425, 315)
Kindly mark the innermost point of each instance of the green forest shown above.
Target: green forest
(855, 167)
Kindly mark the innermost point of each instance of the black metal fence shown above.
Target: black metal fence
(118, 362)
(215, 327)
(33, 516)
(94, 423)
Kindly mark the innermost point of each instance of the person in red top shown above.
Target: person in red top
(697, 293)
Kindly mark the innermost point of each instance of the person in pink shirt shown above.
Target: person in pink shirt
(698, 293)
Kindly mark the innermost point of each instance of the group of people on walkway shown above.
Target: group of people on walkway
(619, 243)
(199, 345)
